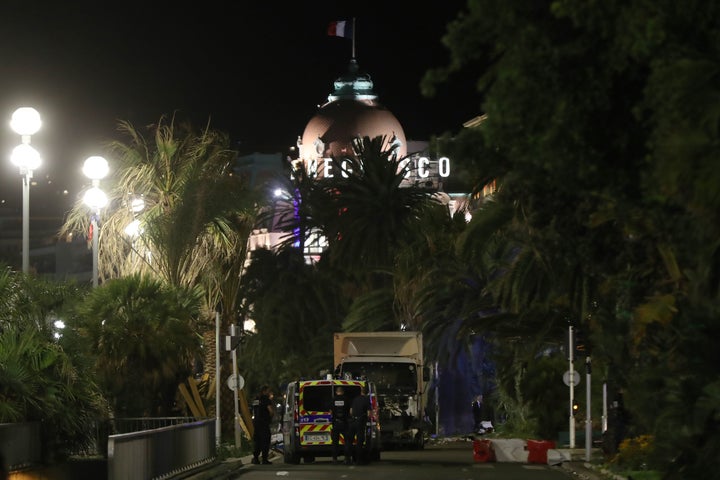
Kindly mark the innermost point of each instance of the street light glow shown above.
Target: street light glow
(249, 326)
(25, 157)
(137, 205)
(95, 198)
(25, 121)
(95, 168)
(133, 229)
(59, 326)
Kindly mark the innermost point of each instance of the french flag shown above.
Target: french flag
(340, 28)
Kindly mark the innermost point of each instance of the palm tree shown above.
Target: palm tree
(194, 224)
(191, 202)
(39, 379)
(143, 340)
(367, 216)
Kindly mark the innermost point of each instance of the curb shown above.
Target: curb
(224, 469)
(216, 470)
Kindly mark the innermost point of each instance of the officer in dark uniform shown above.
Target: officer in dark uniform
(358, 426)
(477, 410)
(339, 422)
(263, 412)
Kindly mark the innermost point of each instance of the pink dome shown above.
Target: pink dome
(351, 111)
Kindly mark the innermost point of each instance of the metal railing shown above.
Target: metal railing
(161, 453)
(136, 448)
(101, 429)
(137, 424)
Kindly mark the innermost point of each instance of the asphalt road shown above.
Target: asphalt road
(450, 461)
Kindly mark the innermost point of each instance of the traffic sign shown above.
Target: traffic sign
(234, 382)
(573, 377)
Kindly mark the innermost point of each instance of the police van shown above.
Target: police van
(307, 419)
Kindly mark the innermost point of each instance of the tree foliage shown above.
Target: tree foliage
(195, 213)
(604, 119)
(141, 338)
(296, 310)
(39, 380)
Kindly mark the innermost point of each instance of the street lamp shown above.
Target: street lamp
(95, 168)
(26, 122)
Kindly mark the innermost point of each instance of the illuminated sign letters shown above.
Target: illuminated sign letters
(415, 168)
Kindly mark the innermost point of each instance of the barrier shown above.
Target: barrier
(538, 450)
(510, 450)
(483, 451)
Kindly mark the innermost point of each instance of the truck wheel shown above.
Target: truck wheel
(419, 441)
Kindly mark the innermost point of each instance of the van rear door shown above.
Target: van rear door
(314, 413)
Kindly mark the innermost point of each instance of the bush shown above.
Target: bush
(229, 450)
(635, 453)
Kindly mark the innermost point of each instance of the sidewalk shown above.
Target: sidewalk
(225, 469)
(581, 468)
(587, 471)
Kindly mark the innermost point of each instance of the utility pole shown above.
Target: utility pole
(571, 354)
(218, 426)
(235, 391)
(588, 410)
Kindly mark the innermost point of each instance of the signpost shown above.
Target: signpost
(571, 384)
(588, 411)
(235, 378)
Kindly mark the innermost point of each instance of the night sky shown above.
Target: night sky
(257, 71)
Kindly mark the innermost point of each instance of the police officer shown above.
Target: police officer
(263, 412)
(477, 411)
(339, 422)
(358, 426)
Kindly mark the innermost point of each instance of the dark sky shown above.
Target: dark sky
(256, 70)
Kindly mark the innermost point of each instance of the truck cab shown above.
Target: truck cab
(393, 361)
(401, 405)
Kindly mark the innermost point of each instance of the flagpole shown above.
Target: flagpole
(353, 38)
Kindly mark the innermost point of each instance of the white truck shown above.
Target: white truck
(394, 362)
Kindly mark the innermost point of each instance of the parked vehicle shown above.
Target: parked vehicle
(307, 419)
(393, 361)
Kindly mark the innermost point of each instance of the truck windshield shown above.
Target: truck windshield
(400, 377)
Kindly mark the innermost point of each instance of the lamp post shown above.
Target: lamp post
(26, 122)
(95, 168)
